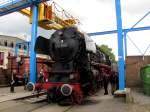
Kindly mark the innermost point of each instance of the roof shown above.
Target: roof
(14, 37)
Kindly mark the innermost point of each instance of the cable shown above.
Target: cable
(135, 45)
(146, 49)
(141, 19)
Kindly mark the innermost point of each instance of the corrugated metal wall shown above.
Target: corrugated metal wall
(133, 65)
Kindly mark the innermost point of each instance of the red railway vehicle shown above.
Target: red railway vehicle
(21, 64)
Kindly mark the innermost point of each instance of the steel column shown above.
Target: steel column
(125, 52)
(33, 40)
(120, 46)
(125, 44)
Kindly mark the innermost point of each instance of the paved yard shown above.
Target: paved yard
(96, 103)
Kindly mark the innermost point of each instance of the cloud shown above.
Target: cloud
(16, 24)
(136, 6)
(131, 6)
(106, 1)
(93, 15)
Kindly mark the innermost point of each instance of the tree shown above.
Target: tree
(107, 51)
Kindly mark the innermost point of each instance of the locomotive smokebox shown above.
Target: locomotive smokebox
(66, 89)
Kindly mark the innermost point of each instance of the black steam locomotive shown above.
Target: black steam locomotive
(78, 65)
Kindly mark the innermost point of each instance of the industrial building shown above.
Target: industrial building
(7, 48)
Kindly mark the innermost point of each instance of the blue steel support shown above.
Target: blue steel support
(15, 9)
(19, 5)
(102, 33)
(120, 46)
(132, 29)
(125, 44)
(33, 39)
(125, 51)
(124, 30)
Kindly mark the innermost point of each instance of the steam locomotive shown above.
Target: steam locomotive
(78, 65)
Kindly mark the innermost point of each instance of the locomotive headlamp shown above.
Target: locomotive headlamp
(66, 89)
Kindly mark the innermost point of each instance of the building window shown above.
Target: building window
(25, 47)
(19, 46)
(12, 45)
(1, 58)
(5, 43)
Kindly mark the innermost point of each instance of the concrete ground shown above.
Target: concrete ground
(141, 101)
(6, 95)
(6, 90)
(101, 103)
(96, 103)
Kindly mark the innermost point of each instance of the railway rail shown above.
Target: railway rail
(30, 103)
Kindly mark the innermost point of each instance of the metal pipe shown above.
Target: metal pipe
(135, 45)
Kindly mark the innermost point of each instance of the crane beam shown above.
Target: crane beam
(124, 30)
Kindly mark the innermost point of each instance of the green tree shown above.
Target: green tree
(108, 51)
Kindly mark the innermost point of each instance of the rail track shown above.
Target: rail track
(32, 103)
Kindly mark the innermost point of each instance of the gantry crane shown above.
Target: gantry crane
(51, 16)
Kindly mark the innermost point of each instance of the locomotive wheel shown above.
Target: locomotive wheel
(69, 100)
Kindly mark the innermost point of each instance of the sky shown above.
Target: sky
(95, 16)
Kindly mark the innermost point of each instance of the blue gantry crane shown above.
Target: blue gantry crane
(122, 33)
(9, 6)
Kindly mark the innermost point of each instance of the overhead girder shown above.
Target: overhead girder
(123, 30)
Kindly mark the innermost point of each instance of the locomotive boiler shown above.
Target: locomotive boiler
(77, 68)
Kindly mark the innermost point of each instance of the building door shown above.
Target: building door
(1, 58)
